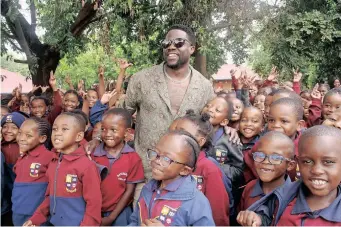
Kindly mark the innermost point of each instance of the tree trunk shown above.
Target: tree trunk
(41, 58)
(47, 61)
(200, 62)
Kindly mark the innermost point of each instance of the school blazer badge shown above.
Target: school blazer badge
(34, 169)
(167, 215)
(71, 183)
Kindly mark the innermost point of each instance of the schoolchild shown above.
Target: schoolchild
(39, 104)
(315, 200)
(273, 158)
(31, 181)
(207, 174)
(171, 197)
(227, 154)
(318, 111)
(71, 101)
(73, 195)
(334, 119)
(10, 125)
(125, 168)
(238, 107)
(250, 127)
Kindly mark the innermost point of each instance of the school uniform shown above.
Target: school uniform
(249, 162)
(287, 206)
(209, 181)
(56, 108)
(73, 195)
(30, 183)
(96, 112)
(315, 113)
(229, 156)
(298, 212)
(125, 169)
(180, 203)
(249, 171)
(254, 192)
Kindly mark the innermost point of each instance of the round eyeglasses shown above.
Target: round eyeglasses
(274, 159)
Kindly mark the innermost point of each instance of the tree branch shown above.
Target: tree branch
(15, 45)
(33, 15)
(7, 34)
(20, 61)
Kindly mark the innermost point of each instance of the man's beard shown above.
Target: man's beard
(177, 65)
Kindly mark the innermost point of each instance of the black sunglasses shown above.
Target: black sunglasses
(178, 43)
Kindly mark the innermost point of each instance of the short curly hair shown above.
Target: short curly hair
(188, 30)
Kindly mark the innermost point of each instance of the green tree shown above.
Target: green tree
(303, 34)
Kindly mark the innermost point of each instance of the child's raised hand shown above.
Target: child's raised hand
(101, 71)
(249, 218)
(34, 88)
(273, 74)
(18, 92)
(68, 79)
(316, 94)
(124, 64)
(53, 81)
(107, 96)
(297, 75)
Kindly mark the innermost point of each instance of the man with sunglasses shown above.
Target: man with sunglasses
(164, 92)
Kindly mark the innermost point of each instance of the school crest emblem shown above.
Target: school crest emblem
(221, 156)
(167, 215)
(71, 183)
(9, 119)
(34, 169)
(200, 182)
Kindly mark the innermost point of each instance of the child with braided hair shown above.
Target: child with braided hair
(31, 181)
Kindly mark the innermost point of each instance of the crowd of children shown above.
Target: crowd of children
(68, 158)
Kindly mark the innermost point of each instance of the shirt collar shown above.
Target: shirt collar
(172, 187)
(99, 151)
(257, 189)
(75, 155)
(218, 134)
(331, 213)
(37, 151)
(249, 145)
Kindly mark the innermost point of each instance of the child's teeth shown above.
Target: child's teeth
(319, 182)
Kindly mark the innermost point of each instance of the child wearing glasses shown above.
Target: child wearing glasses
(171, 198)
(209, 177)
(273, 158)
(124, 165)
(286, 116)
(315, 200)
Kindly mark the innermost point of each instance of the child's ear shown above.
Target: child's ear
(79, 136)
(201, 141)
(291, 165)
(127, 131)
(42, 139)
(186, 171)
(300, 125)
(224, 122)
